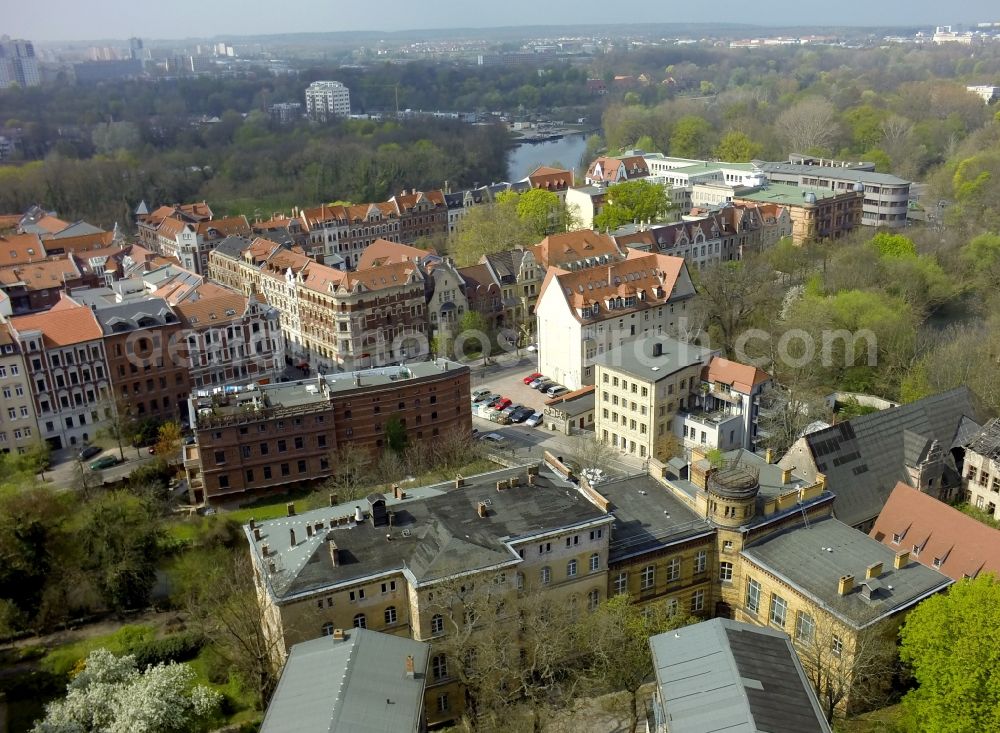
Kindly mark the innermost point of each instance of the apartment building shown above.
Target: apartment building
(148, 222)
(725, 408)
(421, 214)
(641, 386)
(981, 478)
(190, 243)
(263, 437)
(346, 231)
(18, 421)
(582, 314)
(398, 563)
(816, 213)
(586, 202)
(327, 99)
(64, 352)
(18, 64)
(885, 200)
(483, 293)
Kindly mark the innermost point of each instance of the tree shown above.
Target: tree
(119, 544)
(351, 475)
(807, 127)
(616, 637)
(690, 138)
(788, 258)
(119, 424)
(893, 245)
(490, 228)
(628, 201)
(476, 332)
(112, 695)
(668, 446)
(847, 668)
(734, 295)
(395, 434)
(736, 147)
(541, 210)
(168, 442)
(785, 414)
(37, 458)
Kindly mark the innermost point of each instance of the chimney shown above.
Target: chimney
(309, 530)
(846, 584)
(501, 485)
(459, 481)
(657, 349)
(338, 634)
(334, 553)
(256, 533)
(786, 476)
(291, 535)
(272, 568)
(482, 509)
(901, 560)
(409, 667)
(359, 516)
(873, 571)
(265, 550)
(769, 455)
(290, 506)
(253, 523)
(333, 500)
(397, 492)
(531, 479)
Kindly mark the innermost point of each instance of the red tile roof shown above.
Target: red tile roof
(41, 275)
(16, 249)
(552, 179)
(558, 249)
(962, 546)
(66, 323)
(218, 228)
(741, 377)
(214, 307)
(382, 252)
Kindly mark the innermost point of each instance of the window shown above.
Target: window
(546, 575)
(327, 627)
(596, 534)
(697, 601)
(439, 666)
(621, 584)
(357, 595)
(544, 547)
(779, 608)
(727, 546)
(360, 622)
(571, 568)
(753, 595)
(437, 624)
(837, 644)
(674, 569)
(390, 615)
(805, 628)
(388, 587)
(726, 572)
(896, 538)
(593, 599)
(595, 562)
(519, 581)
(937, 562)
(700, 561)
(282, 446)
(648, 577)
(442, 702)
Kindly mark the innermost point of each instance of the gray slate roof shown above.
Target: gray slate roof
(986, 442)
(840, 174)
(813, 559)
(722, 675)
(232, 246)
(358, 684)
(635, 357)
(864, 458)
(126, 316)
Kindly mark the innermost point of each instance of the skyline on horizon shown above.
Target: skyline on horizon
(70, 20)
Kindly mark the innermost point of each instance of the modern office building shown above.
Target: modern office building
(326, 99)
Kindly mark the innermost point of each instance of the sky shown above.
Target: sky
(60, 20)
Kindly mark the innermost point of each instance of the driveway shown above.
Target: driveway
(62, 472)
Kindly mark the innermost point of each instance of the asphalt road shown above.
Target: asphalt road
(62, 472)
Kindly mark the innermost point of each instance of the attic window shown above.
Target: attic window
(31, 250)
(896, 538)
(230, 312)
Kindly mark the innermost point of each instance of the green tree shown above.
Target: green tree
(37, 458)
(119, 545)
(736, 147)
(168, 441)
(540, 209)
(948, 642)
(690, 138)
(628, 201)
(893, 245)
(490, 228)
(395, 434)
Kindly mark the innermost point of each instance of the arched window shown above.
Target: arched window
(439, 666)
(437, 624)
(546, 575)
(595, 562)
(390, 615)
(328, 629)
(360, 622)
(571, 568)
(593, 598)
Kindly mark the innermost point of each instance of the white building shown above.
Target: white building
(326, 99)
(585, 312)
(18, 64)
(988, 93)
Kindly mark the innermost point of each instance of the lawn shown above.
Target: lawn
(884, 720)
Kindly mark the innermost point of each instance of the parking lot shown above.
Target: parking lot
(509, 383)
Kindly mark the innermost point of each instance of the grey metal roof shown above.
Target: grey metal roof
(76, 229)
(722, 675)
(635, 357)
(126, 316)
(358, 684)
(813, 558)
(839, 174)
(864, 458)
(232, 246)
(436, 531)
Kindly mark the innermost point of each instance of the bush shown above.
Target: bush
(174, 648)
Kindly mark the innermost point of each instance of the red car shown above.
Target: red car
(503, 404)
(531, 378)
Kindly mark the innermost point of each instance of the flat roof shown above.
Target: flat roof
(358, 683)
(787, 194)
(647, 516)
(636, 357)
(436, 531)
(813, 558)
(835, 173)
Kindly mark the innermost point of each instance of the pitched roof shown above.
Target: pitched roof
(557, 250)
(382, 252)
(77, 229)
(741, 377)
(937, 535)
(16, 249)
(231, 247)
(65, 324)
(40, 275)
(552, 179)
(147, 313)
(82, 242)
(332, 684)
(323, 279)
(214, 307)
(986, 442)
(723, 675)
(229, 226)
(864, 458)
(381, 277)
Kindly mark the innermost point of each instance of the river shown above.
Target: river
(566, 151)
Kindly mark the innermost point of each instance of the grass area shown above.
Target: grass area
(237, 704)
(884, 720)
(63, 659)
(978, 514)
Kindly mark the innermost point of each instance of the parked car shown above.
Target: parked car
(521, 414)
(104, 462)
(492, 400)
(531, 377)
(503, 404)
(537, 384)
(555, 389)
(89, 452)
(535, 420)
(480, 394)
(495, 438)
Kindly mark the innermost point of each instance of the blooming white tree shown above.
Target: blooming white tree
(112, 696)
